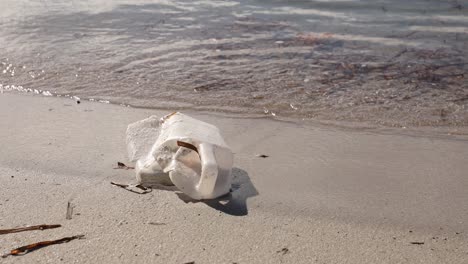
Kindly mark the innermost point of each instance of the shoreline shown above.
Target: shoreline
(382, 127)
(326, 194)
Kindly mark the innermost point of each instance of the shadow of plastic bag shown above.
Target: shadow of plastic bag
(233, 203)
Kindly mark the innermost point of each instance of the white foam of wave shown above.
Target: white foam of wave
(301, 11)
(22, 89)
(440, 29)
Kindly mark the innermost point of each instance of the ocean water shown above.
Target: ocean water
(391, 62)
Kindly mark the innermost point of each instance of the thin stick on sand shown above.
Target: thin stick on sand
(28, 228)
(131, 188)
(69, 214)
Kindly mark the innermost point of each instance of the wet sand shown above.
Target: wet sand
(324, 194)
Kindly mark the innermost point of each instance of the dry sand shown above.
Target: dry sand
(324, 194)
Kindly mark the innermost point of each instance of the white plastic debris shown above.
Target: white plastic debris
(77, 99)
(141, 135)
(188, 153)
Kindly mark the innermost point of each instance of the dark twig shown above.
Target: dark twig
(28, 228)
(284, 251)
(29, 248)
(398, 54)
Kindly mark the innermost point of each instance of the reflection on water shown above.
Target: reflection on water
(392, 62)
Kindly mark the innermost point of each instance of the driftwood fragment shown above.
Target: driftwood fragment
(28, 228)
(122, 166)
(29, 248)
(138, 188)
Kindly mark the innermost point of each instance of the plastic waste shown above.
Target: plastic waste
(190, 154)
(140, 137)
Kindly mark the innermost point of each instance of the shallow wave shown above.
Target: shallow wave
(390, 62)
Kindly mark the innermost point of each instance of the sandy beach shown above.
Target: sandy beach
(348, 121)
(324, 194)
